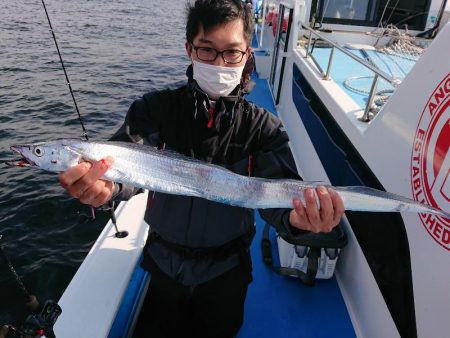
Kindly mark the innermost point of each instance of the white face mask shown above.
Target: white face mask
(216, 81)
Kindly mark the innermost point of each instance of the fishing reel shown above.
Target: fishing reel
(36, 325)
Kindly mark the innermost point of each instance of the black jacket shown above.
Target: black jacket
(237, 135)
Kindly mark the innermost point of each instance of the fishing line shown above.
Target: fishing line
(65, 72)
(30, 301)
(119, 234)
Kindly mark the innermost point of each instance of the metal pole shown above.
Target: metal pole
(365, 117)
(308, 44)
(330, 61)
(366, 64)
(263, 24)
(119, 234)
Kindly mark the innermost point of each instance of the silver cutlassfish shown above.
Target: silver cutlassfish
(166, 171)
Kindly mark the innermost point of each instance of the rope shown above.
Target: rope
(381, 96)
(401, 44)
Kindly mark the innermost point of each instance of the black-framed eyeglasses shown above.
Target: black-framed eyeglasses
(231, 56)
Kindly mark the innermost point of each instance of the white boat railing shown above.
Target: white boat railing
(326, 75)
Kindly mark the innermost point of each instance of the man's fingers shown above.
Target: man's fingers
(338, 205)
(98, 194)
(94, 174)
(71, 175)
(299, 208)
(298, 217)
(92, 192)
(312, 211)
(314, 218)
(326, 205)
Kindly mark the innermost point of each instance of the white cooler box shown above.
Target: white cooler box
(307, 256)
(296, 256)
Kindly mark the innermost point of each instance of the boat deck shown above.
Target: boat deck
(346, 70)
(279, 306)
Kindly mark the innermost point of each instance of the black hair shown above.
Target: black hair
(210, 13)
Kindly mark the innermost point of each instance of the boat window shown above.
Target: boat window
(345, 9)
(401, 13)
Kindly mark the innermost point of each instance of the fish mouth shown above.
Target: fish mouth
(19, 162)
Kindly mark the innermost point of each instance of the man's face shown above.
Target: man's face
(229, 36)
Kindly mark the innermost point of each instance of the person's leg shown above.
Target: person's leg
(163, 313)
(217, 306)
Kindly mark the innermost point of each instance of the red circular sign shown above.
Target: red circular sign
(430, 162)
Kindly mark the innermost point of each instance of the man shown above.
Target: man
(197, 250)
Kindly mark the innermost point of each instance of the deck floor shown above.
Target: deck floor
(279, 306)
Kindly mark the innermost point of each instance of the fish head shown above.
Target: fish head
(55, 156)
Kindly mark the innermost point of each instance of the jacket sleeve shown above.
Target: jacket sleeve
(274, 160)
(141, 125)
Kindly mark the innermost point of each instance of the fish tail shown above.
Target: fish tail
(404, 203)
(446, 214)
(437, 212)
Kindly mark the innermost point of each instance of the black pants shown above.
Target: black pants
(214, 309)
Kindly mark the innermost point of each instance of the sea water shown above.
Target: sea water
(114, 52)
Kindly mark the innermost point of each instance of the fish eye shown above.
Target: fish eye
(38, 151)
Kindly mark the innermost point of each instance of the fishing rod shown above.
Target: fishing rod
(65, 72)
(31, 301)
(119, 234)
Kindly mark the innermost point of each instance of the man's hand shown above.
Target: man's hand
(83, 182)
(313, 219)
